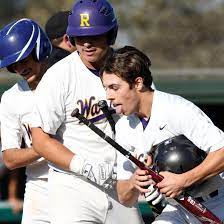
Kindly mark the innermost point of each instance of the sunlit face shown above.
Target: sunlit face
(92, 50)
(29, 69)
(124, 99)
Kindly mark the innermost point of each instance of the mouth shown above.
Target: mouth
(26, 74)
(118, 108)
(89, 52)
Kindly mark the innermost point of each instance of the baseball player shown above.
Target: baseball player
(82, 174)
(154, 116)
(24, 50)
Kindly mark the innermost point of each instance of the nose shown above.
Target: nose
(87, 43)
(109, 95)
(18, 67)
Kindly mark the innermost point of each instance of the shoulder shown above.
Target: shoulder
(174, 111)
(12, 92)
(8, 98)
(57, 54)
(125, 122)
(63, 68)
(171, 102)
(167, 98)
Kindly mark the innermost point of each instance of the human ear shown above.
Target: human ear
(139, 83)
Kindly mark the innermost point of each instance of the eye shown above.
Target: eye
(115, 87)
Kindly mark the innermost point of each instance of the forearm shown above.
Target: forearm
(211, 166)
(16, 158)
(12, 187)
(51, 149)
(127, 193)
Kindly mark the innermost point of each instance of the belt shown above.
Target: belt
(204, 198)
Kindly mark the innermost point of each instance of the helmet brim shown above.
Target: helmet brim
(88, 31)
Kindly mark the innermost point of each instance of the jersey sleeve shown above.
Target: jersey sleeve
(49, 106)
(199, 128)
(11, 136)
(125, 168)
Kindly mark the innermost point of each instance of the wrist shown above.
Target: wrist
(76, 164)
(132, 186)
(187, 179)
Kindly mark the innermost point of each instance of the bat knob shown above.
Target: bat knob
(75, 112)
(102, 104)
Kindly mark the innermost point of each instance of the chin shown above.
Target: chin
(126, 113)
(31, 79)
(91, 59)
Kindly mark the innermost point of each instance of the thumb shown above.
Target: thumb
(149, 160)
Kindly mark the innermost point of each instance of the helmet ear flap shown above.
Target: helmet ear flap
(42, 48)
(72, 40)
(34, 55)
(112, 35)
(46, 49)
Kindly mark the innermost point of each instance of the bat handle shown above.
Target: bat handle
(155, 176)
(75, 112)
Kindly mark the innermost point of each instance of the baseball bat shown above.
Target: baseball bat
(203, 214)
(104, 107)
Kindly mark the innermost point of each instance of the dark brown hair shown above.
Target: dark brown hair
(128, 63)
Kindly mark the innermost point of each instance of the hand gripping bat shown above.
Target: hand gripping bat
(188, 202)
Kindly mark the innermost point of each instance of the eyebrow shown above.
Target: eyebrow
(113, 85)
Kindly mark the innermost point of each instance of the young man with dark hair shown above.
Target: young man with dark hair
(151, 117)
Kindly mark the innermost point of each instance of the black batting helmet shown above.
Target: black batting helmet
(177, 155)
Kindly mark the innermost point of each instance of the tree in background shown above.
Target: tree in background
(176, 33)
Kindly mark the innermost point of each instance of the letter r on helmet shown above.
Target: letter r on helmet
(84, 19)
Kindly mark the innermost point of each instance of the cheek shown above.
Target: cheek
(78, 47)
(36, 68)
(126, 97)
(131, 100)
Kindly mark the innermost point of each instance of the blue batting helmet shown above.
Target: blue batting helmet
(91, 18)
(21, 38)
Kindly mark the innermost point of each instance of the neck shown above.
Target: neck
(64, 46)
(94, 65)
(145, 105)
